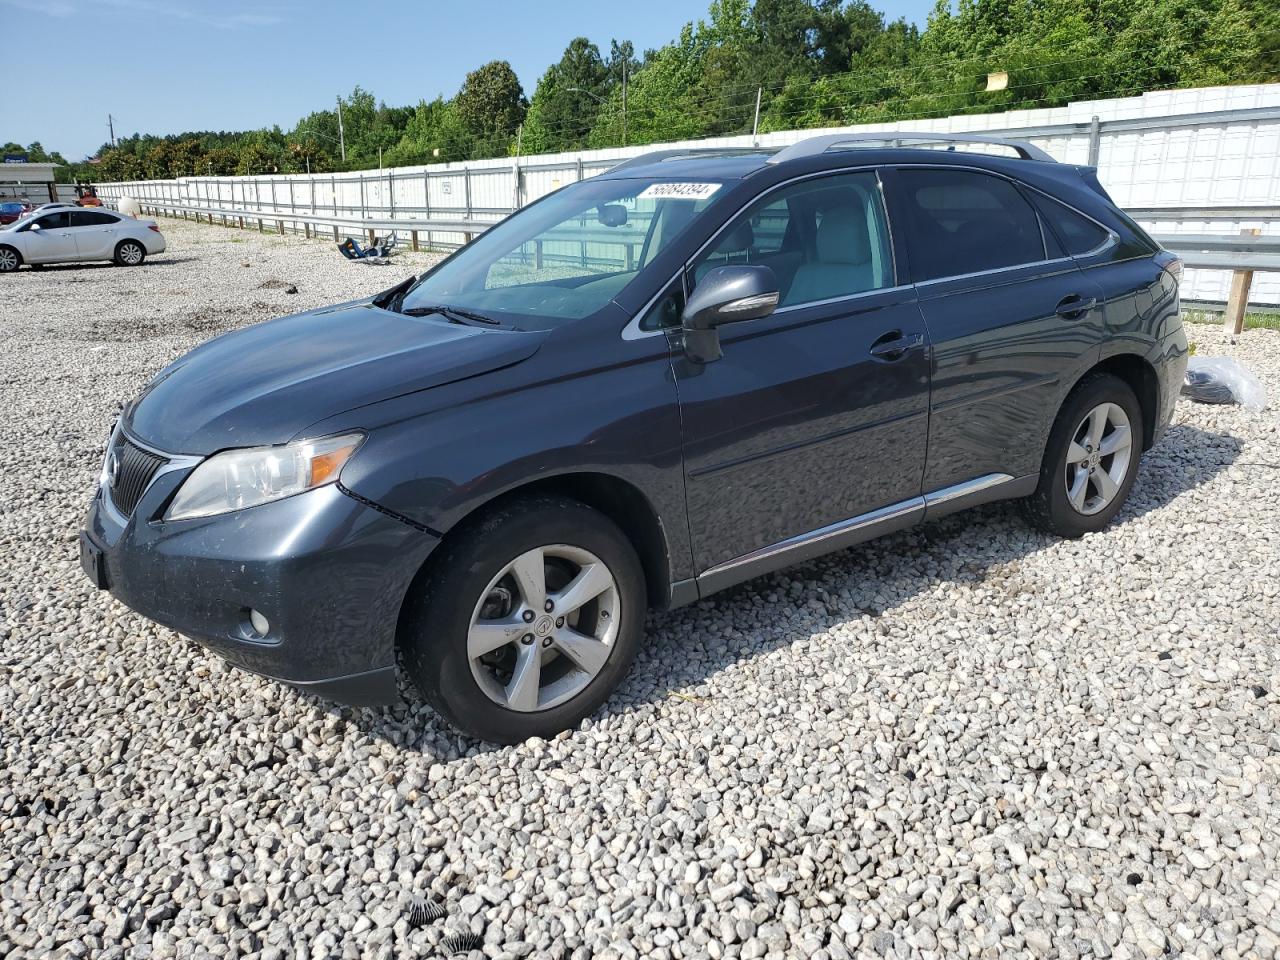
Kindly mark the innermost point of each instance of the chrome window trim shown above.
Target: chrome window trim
(1113, 238)
(632, 330)
(891, 512)
(848, 296)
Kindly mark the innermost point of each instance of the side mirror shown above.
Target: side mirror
(726, 295)
(35, 226)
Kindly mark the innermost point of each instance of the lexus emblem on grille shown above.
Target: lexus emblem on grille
(113, 470)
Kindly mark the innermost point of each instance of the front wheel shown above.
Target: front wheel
(10, 259)
(527, 620)
(130, 253)
(1091, 460)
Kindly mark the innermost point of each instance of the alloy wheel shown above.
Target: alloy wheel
(131, 254)
(543, 628)
(8, 261)
(1098, 458)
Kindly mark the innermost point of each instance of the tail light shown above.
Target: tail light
(1173, 267)
(156, 228)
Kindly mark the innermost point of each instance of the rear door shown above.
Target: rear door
(95, 233)
(1013, 323)
(53, 242)
(816, 414)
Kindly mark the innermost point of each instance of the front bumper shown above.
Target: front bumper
(327, 571)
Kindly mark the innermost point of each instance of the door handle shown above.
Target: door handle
(1074, 306)
(893, 345)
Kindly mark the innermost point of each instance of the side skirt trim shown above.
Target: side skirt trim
(866, 526)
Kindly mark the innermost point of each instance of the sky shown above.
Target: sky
(168, 66)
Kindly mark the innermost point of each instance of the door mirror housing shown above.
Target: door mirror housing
(742, 291)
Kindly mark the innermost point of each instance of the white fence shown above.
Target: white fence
(1202, 161)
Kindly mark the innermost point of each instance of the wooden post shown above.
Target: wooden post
(261, 227)
(413, 239)
(335, 233)
(280, 225)
(537, 254)
(1238, 300)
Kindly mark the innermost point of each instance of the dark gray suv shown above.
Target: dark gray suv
(648, 386)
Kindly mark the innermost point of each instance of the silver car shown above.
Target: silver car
(69, 235)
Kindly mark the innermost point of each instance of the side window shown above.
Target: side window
(90, 218)
(1077, 234)
(824, 238)
(53, 221)
(965, 222)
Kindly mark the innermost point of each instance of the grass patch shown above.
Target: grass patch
(1252, 321)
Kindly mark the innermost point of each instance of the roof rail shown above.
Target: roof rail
(814, 146)
(657, 156)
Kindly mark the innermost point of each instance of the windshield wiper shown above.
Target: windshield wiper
(390, 299)
(452, 313)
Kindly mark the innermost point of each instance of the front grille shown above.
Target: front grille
(130, 471)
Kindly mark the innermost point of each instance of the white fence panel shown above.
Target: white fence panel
(1185, 149)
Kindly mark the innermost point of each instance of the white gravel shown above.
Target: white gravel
(968, 740)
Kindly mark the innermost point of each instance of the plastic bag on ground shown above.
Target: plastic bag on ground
(1223, 380)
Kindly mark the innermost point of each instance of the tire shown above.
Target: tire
(1084, 482)
(130, 253)
(478, 580)
(10, 259)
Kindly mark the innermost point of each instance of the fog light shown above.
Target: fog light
(260, 624)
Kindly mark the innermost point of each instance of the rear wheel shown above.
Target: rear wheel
(130, 253)
(1091, 459)
(10, 259)
(527, 620)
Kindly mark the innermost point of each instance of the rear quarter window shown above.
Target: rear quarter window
(1076, 233)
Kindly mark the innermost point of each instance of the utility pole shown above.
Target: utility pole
(111, 129)
(624, 100)
(755, 127)
(342, 137)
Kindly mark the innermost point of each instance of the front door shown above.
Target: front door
(53, 242)
(817, 414)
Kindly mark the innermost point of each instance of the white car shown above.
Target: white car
(64, 236)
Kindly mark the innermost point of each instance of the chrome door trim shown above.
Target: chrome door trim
(958, 490)
(893, 511)
(863, 520)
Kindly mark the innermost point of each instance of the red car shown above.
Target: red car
(14, 210)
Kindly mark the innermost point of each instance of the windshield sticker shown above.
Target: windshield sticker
(678, 191)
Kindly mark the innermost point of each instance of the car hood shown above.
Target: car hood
(267, 383)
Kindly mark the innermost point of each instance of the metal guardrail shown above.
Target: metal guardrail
(1243, 255)
(311, 223)
(1224, 252)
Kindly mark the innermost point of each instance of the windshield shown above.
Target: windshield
(566, 256)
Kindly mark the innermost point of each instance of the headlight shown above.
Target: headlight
(236, 479)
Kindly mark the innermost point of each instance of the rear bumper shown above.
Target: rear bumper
(327, 571)
(154, 243)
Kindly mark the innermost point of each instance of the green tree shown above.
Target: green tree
(567, 100)
(490, 106)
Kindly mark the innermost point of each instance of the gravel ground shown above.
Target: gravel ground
(965, 740)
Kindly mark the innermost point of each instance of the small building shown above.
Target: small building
(28, 181)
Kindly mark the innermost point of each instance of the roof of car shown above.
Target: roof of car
(827, 150)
